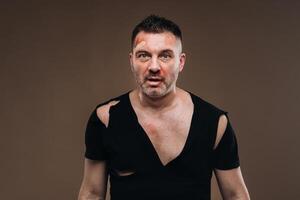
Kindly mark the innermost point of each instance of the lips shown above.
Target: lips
(154, 78)
(154, 81)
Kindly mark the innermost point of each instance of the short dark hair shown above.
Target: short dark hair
(156, 24)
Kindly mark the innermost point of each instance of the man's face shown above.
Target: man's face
(156, 61)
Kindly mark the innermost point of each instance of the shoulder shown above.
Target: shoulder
(102, 109)
(214, 114)
(207, 108)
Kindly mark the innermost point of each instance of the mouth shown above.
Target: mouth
(154, 81)
(154, 78)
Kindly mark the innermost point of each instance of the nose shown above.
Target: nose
(154, 66)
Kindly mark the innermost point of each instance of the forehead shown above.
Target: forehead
(156, 41)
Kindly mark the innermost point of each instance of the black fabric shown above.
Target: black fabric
(226, 153)
(126, 147)
(93, 138)
(94, 148)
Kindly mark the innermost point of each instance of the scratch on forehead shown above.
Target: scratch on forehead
(139, 44)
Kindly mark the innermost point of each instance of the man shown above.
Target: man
(159, 141)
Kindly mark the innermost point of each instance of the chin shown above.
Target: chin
(154, 92)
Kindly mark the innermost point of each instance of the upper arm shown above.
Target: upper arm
(95, 176)
(95, 130)
(221, 129)
(230, 179)
(225, 152)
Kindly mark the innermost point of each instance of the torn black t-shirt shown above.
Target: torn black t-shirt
(126, 148)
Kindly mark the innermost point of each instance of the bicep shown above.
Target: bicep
(226, 162)
(222, 124)
(225, 152)
(95, 178)
(95, 129)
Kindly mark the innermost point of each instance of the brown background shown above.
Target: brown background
(61, 58)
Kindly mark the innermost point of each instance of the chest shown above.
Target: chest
(168, 132)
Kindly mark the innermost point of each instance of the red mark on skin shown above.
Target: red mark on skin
(137, 41)
(151, 130)
(140, 45)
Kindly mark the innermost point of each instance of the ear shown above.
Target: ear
(181, 61)
(130, 60)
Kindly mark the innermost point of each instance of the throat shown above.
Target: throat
(160, 104)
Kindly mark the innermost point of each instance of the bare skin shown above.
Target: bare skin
(156, 60)
(167, 127)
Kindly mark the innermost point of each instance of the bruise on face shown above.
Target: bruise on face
(139, 44)
(157, 42)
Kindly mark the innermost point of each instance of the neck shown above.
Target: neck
(159, 103)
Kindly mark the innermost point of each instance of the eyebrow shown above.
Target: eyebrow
(167, 51)
(141, 51)
(163, 51)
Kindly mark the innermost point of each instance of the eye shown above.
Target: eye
(165, 56)
(143, 56)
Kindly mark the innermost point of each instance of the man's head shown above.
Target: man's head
(156, 58)
(156, 24)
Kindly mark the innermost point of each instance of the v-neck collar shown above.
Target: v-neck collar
(146, 137)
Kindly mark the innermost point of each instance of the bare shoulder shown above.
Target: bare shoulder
(103, 111)
(222, 124)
